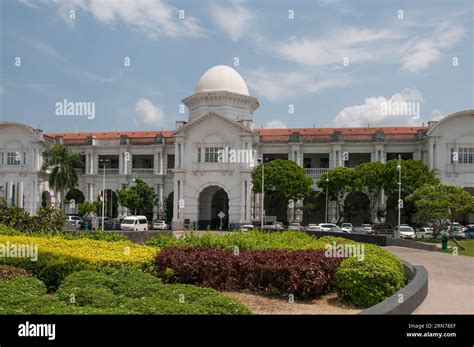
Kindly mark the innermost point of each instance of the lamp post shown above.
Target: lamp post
(104, 162)
(262, 212)
(400, 204)
(327, 184)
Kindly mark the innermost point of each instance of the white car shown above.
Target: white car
(294, 226)
(73, 219)
(346, 227)
(135, 223)
(313, 227)
(406, 232)
(367, 228)
(330, 227)
(425, 233)
(160, 225)
(247, 227)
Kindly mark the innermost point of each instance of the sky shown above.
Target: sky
(319, 63)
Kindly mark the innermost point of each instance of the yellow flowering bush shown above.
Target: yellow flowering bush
(53, 258)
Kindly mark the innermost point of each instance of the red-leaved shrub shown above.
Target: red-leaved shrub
(304, 273)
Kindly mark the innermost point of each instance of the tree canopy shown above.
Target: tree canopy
(137, 197)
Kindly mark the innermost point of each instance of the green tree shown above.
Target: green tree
(284, 180)
(137, 197)
(62, 163)
(342, 180)
(371, 176)
(85, 208)
(414, 175)
(440, 203)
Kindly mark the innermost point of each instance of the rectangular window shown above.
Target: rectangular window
(211, 154)
(199, 154)
(13, 158)
(24, 158)
(464, 155)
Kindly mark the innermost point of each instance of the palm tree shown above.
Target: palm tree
(62, 162)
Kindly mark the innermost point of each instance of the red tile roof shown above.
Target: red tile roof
(111, 134)
(286, 131)
(328, 131)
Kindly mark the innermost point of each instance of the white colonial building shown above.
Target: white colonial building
(184, 166)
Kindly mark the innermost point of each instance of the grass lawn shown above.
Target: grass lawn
(467, 244)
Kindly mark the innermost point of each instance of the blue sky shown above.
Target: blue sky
(396, 51)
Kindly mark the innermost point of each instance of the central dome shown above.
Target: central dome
(222, 77)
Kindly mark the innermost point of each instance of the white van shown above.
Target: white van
(135, 223)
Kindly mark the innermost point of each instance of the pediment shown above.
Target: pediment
(208, 118)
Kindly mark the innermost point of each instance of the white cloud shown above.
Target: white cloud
(275, 124)
(148, 113)
(436, 115)
(373, 111)
(153, 17)
(235, 20)
(276, 85)
(358, 45)
(421, 51)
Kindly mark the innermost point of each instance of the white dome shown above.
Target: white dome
(222, 77)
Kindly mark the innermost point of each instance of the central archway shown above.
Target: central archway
(212, 201)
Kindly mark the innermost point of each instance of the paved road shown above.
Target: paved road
(450, 280)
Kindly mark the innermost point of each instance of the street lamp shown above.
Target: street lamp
(400, 204)
(262, 212)
(104, 162)
(327, 184)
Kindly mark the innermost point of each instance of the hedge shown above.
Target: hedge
(252, 240)
(303, 273)
(58, 257)
(113, 291)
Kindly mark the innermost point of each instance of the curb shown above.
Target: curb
(413, 293)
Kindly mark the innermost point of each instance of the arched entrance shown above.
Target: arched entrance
(45, 199)
(356, 208)
(111, 203)
(212, 201)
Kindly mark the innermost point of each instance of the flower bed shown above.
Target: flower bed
(362, 282)
(304, 274)
(58, 257)
(112, 291)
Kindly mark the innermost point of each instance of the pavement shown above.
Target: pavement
(450, 280)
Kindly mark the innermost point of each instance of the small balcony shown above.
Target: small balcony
(142, 171)
(315, 172)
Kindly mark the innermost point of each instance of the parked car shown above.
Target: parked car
(160, 224)
(112, 224)
(313, 227)
(247, 227)
(458, 233)
(425, 233)
(468, 226)
(383, 228)
(346, 227)
(368, 228)
(274, 226)
(359, 230)
(406, 232)
(329, 227)
(469, 232)
(294, 226)
(75, 220)
(135, 223)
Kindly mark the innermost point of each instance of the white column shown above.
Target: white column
(20, 194)
(161, 161)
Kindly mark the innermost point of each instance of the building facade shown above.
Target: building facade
(203, 168)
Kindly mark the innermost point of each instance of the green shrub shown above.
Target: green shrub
(113, 291)
(251, 240)
(367, 282)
